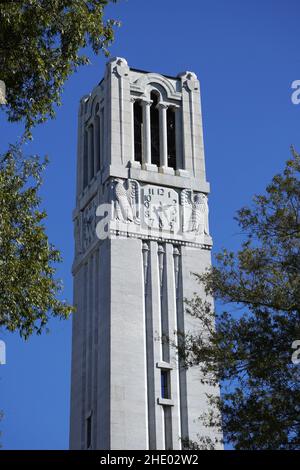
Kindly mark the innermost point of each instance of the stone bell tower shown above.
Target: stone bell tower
(141, 230)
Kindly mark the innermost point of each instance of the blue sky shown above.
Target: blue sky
(246, 55)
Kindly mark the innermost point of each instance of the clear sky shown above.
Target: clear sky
(246, 54)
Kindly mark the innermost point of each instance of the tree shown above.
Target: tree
(40, 46)
(27, 285)
(249, 348)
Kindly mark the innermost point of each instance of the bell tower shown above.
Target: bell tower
(141, 230)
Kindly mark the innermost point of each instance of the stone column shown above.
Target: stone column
(80, 146)
(146, 133)
(116, 90)
(163, 139)
(192, 130)
(146, 158)
(132, 101)
(163, 134)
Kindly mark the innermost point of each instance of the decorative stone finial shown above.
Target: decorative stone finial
(119, 66)
(190, 80)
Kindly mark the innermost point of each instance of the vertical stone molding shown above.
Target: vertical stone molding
(163, 135)
(146, 158)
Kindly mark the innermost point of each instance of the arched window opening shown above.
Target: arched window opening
(102, 153)
(138, 131)
(91, 151)
(154, 122)
(85, 159)
(171, 136)
(97, 140)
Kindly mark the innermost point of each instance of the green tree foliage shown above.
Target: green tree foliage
(28, 290)
(40, 46)
(250, 349)
(42, 43)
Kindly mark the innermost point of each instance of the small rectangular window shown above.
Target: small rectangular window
(165, 384)
(85, 159)
(89, 432)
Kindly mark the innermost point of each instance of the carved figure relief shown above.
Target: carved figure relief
(126, 201)
(89, 224)
(195, 212)
(121, 68)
